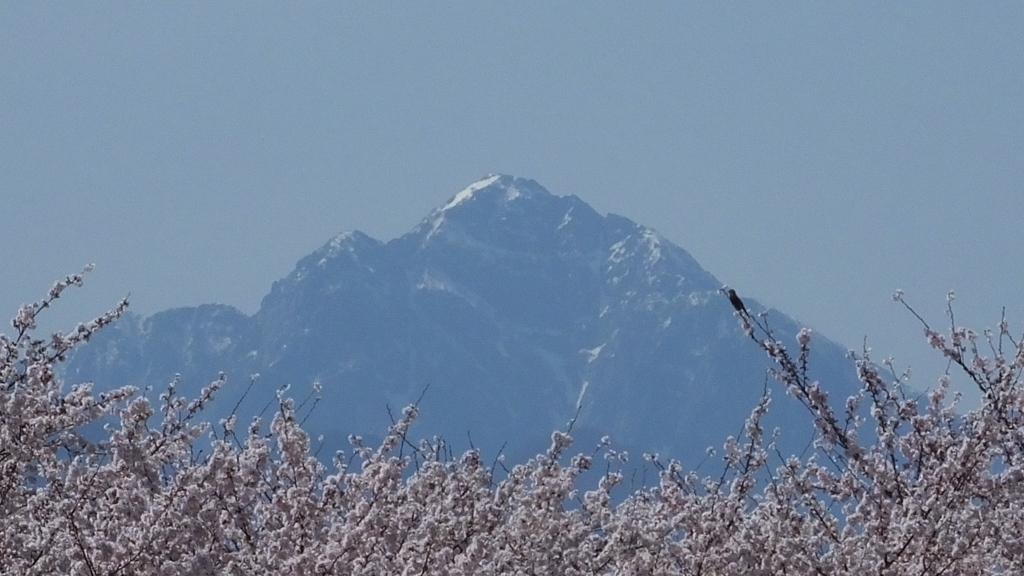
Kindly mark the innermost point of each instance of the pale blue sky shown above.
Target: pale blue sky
(815, 156)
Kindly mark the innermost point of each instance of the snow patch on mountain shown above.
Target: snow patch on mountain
(593, 353)
(653, 241)
(617, 253)
(467, 192)
(567, 218)
(432, 281)
(341, 242)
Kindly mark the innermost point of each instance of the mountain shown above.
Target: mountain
(516, 307)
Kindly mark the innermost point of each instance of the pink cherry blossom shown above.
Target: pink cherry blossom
(895, 483)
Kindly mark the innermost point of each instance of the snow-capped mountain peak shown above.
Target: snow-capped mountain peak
(498, 200)
(467, 192)
(497, 186)
(519, 308)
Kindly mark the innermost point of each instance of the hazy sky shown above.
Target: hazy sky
(815, 156)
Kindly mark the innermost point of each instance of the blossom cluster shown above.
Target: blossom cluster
(893, 484)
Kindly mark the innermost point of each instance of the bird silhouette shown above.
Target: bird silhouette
(735, 300)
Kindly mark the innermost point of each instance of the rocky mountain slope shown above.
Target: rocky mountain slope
(518, 308)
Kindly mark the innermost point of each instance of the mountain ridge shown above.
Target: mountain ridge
(518, 308)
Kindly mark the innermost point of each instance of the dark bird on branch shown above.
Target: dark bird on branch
(735, 300)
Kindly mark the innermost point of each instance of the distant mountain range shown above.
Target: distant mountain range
(518, 308)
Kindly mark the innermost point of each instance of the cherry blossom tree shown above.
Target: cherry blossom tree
(895, 482)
